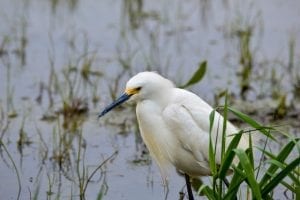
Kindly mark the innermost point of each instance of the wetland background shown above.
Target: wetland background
(61, 61)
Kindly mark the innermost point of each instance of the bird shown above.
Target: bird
(174, 125)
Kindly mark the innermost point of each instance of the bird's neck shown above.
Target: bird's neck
(162, 99)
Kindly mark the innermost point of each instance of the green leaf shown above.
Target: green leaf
(250, 151)
(289, 186)
(297, 192)
(238, 178)
(251, 122)
(209, 193)
(224, 127)
(282, 166)
(247, 166)
(233, 190)
(279, 177)
(228, 158)
(212, 157)
(198, 75)
(266, 153)
(284, 153)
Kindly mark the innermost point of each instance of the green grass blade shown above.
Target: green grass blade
(298, 192)
(266, 153)
(198, 75)
(238, 178)
(228, 158)
(224, 127)
(247, 166)
(230, 194)
(223, 141)
(209, 193)
(212, 159)
(276, 163)
(250, 151)
(289, 186)
(251, 122)
(280, 158)
(279, 177)
(282, 166)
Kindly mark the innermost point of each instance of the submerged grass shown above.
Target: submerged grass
(68, 160)
(75, 84)
(245, 59)
(83, 175)
(79, 79)
(2, 145)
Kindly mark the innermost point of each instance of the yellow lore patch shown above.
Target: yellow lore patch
(131, 91)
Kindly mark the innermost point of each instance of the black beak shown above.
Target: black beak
(117, 102)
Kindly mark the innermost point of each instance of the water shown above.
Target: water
(111, 41)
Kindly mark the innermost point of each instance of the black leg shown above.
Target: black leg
(188, 186)
(226, 182)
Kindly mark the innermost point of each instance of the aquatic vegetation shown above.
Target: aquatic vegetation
(281, 110)
(3, 146)
(245, 59)
(61, 60)
(23, 138)
(197, 76)
(55, 4)
(262, 176)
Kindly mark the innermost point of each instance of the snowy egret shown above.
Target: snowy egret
(174, 124)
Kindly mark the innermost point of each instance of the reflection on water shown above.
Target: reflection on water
(62, 61)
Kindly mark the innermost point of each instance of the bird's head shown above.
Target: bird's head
(144, 85)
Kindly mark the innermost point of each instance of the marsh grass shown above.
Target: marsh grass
(4, 122)
(2, 146)
(22, 41)
(245, 59)
(293, 67)
(70, 89)
(23, 137)
(262, 177)
(77, 79)
(68, 112)
(74, 84)
(55, 4)
(10, 108)
(67, 154)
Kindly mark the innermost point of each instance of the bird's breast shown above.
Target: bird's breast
(163, 144)
(155, 133)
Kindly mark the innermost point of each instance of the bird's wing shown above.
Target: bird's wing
(186, 130)
(188, 119)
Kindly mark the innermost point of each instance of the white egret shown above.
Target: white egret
(174, 124)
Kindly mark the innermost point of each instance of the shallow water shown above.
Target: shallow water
(84, 51)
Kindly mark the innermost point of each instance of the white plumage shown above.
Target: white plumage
(174, 124)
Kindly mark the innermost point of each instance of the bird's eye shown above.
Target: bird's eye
(138, 88)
